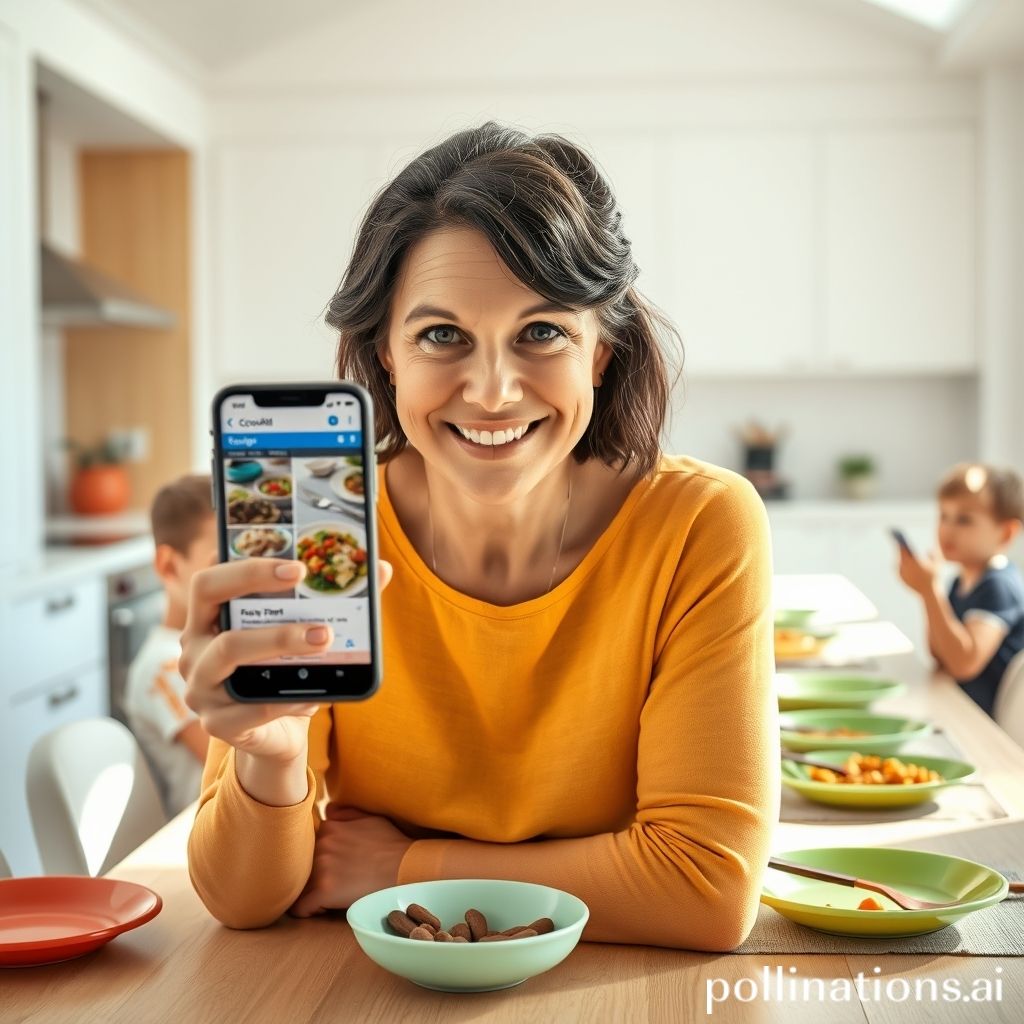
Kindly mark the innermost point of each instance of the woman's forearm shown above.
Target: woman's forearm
(648, 885)
(249, 860)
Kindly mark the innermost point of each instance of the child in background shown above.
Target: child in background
(184, 531)
(975, 631)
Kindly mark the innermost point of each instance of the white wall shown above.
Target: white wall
(1002, 311)
(915, 429)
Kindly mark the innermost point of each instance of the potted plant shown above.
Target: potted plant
(858, 476)
(100, 484)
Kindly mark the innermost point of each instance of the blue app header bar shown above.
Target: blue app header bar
(304, 440)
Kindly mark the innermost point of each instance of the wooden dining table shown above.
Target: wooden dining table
(185, 967)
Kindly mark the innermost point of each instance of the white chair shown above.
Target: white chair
(1009, 707)
(91, 797)
(5, 868)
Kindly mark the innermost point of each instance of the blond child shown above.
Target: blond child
(975, 630)
(184, 531)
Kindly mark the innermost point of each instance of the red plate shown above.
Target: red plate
(58, 917)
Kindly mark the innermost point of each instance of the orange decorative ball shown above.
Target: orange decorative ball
(100, 490)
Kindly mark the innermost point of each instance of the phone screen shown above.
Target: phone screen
(293, 476)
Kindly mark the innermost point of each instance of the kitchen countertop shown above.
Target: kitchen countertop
(62, 564)
(894, 509)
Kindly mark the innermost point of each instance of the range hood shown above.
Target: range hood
(72, 293)
(75, 295)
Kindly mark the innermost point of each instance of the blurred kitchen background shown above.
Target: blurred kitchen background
(827, 196)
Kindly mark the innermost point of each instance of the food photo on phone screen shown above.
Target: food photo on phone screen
(303, 500)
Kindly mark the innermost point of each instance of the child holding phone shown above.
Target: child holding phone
(976, 629)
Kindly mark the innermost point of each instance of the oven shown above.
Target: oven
(135, 604)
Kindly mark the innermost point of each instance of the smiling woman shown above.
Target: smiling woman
(577, 636)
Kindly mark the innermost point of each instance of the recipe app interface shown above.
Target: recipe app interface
(293, 487)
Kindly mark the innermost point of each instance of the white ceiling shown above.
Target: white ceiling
(207, 37)
(215, 33)
(936, 14)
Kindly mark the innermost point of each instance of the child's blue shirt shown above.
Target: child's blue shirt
(998, 597)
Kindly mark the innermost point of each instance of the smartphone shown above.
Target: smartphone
(901, 539)
(294, 476)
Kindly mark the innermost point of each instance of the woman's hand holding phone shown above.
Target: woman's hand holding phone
(270, 739)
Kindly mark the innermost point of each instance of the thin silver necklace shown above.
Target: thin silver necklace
(561, 539)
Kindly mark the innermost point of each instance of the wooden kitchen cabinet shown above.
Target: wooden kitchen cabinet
(900, 250)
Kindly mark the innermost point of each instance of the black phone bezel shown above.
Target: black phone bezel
(252, 683)
(900, 537)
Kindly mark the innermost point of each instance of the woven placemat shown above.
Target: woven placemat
(995, 931)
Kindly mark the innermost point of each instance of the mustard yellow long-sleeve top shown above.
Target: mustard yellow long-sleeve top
(616, 737)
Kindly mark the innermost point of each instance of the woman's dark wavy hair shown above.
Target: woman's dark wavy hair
(549, 213)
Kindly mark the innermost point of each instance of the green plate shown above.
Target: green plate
(794, 618)
(852, 794)
(469, 966)
(797, 690)
(887, 733)
(829, 907)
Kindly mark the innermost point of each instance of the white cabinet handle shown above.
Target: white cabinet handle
(123, 617)
(60, 604)
(56, 699)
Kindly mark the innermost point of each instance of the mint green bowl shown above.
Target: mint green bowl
(886, 733)
(801, 690)
(794, 618)
(469, 966)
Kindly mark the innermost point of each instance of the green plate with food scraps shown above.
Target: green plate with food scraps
(882, 734)
(860, 794)
(797, 690)
(794, 618)
(832, 908)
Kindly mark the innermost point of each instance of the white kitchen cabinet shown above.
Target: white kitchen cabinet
(740, 224)
(52, 631)
(634, 170)
(54, 671)
(310, 201)
(806, 547)
(79, 694)
(900, 250)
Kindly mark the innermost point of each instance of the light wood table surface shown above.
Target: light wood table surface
(185, 967)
